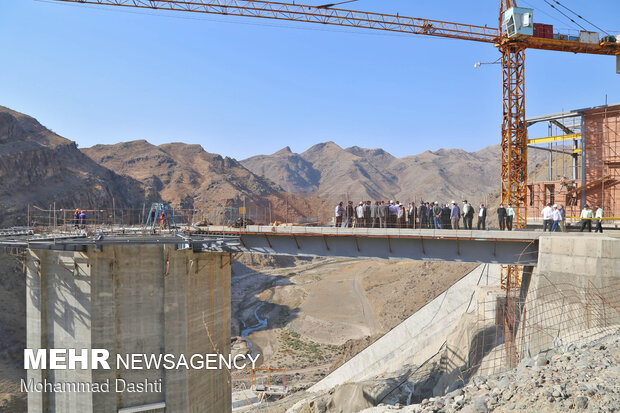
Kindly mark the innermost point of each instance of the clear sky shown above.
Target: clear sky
(242, 86)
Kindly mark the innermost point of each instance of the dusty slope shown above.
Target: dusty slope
(359, 173)
(39, 167)
(323, 312)
(190, 177)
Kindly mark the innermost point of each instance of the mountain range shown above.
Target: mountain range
(336, 173)
(39, 168)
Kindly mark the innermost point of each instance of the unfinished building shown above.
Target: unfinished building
(583, 165)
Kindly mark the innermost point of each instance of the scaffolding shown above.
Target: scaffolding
(583, 162)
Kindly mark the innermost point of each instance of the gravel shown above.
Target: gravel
(566, 378)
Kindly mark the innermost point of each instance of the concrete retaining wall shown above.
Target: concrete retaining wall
(419, 337)
(574, 293)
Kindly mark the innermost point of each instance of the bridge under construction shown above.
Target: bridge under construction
(170, 293)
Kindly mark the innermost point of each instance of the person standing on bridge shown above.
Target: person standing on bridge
(76, 219)
(339, 214)
(350, 213)
(422, 214)
(429, 215)
(563, 218)
(359, 213)
(383, 214)
(586, 218)
(444, 218)
(468, 215)
(437, 216)
(366, 209)
(82, 219)
(482, 217)
(599, 219)
(455, 215)
(411, 210)
(510, 214)
(557, 217)
(501, 217)
(374, 214)
(547, 214)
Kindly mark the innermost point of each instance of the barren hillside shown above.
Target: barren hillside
(190, 177)
(38, 167)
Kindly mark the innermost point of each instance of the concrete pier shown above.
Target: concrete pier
(137, 299)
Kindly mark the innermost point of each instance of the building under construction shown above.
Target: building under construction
(583, 165)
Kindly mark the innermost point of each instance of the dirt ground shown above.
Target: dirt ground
(322, 312)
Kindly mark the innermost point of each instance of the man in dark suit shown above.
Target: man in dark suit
(422, 214)
(374, 215)
(501, 217)
(383, 214)
(482, 217)
(350, 216)
(411, 215)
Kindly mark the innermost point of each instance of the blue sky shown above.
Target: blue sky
(241, 86)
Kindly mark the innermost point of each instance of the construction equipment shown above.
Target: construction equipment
(160, 215)
(514, 35)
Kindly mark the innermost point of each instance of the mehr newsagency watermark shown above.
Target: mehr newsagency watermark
(95, 359)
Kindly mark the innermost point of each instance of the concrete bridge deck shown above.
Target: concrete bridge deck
(501, 247)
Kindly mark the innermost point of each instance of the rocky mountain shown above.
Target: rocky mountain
(332, 172)
(190, 177)
(39, 168)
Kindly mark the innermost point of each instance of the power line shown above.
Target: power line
(544, 12)
(564, 14)
(582, 18)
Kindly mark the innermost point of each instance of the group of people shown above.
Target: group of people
(426, 215)
(160, 218)
(79, 219)
(587, 216)
(554, 218)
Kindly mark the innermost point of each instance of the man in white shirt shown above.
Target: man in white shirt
(547, 214)
(599, 219)
(482, 217)
(510, 214)
(339, 213)
(359, 214)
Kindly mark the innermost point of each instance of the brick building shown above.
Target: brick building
(583, 165)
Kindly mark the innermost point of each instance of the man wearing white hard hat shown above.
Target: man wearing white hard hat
(557, 217)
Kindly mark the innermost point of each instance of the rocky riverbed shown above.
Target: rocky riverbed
(569, 377)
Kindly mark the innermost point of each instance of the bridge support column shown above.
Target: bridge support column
(130, 299)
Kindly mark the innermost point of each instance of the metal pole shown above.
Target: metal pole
(550, 154)
(583, 160)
